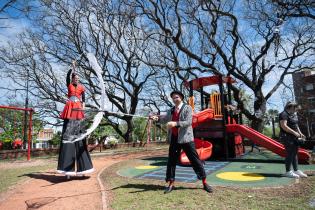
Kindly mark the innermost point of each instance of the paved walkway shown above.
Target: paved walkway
(48, 190)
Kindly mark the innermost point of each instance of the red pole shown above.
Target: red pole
(29, 136)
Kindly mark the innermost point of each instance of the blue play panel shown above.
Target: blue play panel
(183, 173)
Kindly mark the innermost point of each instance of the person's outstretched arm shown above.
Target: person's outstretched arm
(165, 118)
(162, 118)
(83, 100)
(68, 80)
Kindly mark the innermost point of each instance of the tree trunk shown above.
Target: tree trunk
(128, 135)
(257, 124)
(260, 107)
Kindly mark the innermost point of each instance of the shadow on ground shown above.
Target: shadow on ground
(149, 187)
(157, 161)
(264, 174)
(52, 177)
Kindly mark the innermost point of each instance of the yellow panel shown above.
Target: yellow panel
(146, 167)
(240, 176)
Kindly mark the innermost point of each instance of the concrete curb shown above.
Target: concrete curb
(104, 202)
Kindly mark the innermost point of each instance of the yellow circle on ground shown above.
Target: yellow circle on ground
(146, 167)
(240, 176)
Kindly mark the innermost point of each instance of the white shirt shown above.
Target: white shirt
(180, 106)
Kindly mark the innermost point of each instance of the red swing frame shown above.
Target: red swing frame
(29, 137)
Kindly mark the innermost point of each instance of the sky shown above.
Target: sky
(12, 28)
(17, 25)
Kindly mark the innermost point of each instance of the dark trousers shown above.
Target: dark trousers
(291, 157)
(71, 153)
(173, 156)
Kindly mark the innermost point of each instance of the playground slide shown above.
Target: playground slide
(203, 149)
(201, 117)
(264, 141)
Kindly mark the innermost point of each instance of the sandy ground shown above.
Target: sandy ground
(23, 163)
(49, 190)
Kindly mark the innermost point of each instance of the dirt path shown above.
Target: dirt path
(48, 190)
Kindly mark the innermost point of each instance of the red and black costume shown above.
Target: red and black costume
(76, 97)
(73, 154)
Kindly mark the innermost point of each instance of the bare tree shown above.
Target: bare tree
(64, 30)
(14, 9)
(221, 37)
(6, 4)
(156, 45)
(297, 8)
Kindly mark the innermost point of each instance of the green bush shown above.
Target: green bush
(268, 131)
(7, 144)
(56, 139)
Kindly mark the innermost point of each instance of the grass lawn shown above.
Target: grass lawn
(130, 193)
(12, 173)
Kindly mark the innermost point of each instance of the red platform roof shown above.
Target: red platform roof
(206, 81)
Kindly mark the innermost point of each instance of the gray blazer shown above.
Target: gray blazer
(185, 130)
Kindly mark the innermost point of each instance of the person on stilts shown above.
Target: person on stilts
(73, 153)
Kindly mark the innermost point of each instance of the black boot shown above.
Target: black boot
(207, 188)
(169, 189)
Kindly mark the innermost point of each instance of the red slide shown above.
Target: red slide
(264, 141)
(203, 148)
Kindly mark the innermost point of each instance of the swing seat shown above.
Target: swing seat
(203, 148)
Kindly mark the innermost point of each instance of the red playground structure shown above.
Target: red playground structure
(218, 133)
(9, 126)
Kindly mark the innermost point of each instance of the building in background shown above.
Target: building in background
(304, 91)
(43, 138)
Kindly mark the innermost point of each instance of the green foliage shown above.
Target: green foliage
(56, 139)
(268, 131)
(7, 144)
(113, 141)
(37, 125)
(140, 130)
(271, 114)
(139, 126)
(102, 131)
(13, 121)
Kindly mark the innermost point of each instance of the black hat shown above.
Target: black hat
(290, 104)
(178, 93)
